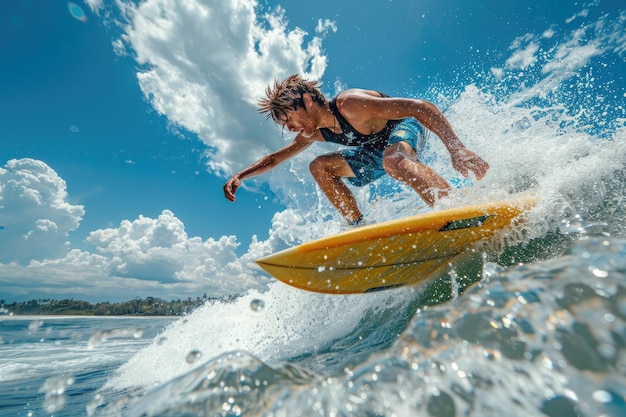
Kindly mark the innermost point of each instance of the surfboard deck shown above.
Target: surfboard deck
(393, 253)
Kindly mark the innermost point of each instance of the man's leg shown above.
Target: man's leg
(328, 171)
(400, 162)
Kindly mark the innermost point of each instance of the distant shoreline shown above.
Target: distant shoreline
(79, 316)
(148, 307)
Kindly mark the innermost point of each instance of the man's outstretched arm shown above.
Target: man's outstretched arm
(264, 164)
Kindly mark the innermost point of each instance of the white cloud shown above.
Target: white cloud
(143, 257)
(34, 212)
(94, 5)
(204, 64)
(324, 25)
(160, 250)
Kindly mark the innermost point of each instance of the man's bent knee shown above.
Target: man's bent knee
(333, 165)
(318, 166)
(392, 163)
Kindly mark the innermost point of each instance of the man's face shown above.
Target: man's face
(299, 121)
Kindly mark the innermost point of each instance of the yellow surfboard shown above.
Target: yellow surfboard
(393, 253)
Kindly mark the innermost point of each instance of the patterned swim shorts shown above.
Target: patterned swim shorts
(367, 162)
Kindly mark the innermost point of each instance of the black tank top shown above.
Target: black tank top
(351, 137)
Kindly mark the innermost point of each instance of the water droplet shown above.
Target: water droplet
(257, 305)
(100, 337)
(609, 317)
(599, 273)
(601, 396)
(35, 325)
(607, 350)
(77, 12)
(92, 405)
(193, 356)
(491, 270)
(54, 390)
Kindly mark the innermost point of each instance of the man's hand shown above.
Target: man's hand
(230, 187)
(464, 160)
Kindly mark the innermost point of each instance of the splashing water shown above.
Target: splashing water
(292, 324)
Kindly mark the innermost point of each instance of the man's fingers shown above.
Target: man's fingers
(472, 162)
(230, 196)
(229, 191)
(480, 169)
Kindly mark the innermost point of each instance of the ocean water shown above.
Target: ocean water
(543, 338)
(538, 327)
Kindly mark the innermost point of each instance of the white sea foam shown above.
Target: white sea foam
(291, 323)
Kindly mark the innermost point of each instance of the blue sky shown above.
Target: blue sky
(120, 127)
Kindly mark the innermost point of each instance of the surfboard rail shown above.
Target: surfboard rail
(392, 253)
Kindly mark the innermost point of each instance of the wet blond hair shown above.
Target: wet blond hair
(286, 95)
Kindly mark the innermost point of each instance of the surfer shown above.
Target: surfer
(382, 135)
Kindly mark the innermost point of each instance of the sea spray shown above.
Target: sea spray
(292, 323)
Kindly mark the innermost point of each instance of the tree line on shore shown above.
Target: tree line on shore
(149, 306)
